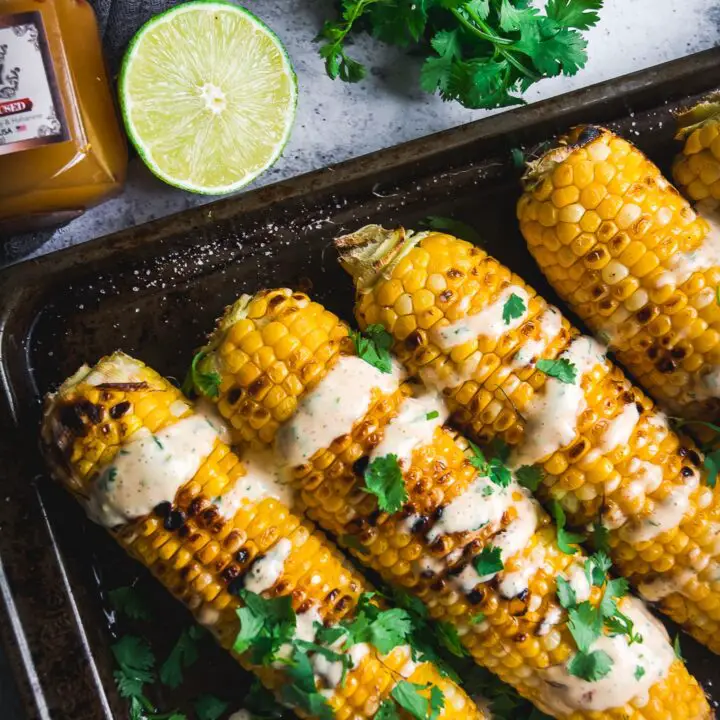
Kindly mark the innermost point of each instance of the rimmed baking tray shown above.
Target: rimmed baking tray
(155, 290)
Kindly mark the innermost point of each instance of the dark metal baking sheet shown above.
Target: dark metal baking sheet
(155, 291)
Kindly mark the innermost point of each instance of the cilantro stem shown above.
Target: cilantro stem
(480, 28)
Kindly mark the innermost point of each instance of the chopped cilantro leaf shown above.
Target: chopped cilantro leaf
(488, 561)
(639, 672)
(408, 696)
(712, 465)
(498, 472)
(601, 538)
(561, 369)
(136, 661)
(384, 629)
(530, 477)
(450, 640)
(500, 449)
(717, 294)
(566, 540)
(432, 415)
(182, 656)
(383, 478)
(513, 308)
(477, 458)
(585, 624)
(596, 567)
(209, 707)
(302, 692)
(518, 157)
(566, 594)
(410, 603)
(621, 624)
(676, 648)
(202, 379)
(591, 666)
(437, 702)
(129, 602)
(387, 711)
(373, 346)
(265, 625)
(353, 542)
(477, 619)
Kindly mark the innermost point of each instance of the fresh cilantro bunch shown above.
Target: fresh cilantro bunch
(482, 53)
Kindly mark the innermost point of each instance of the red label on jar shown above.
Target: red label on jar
(31, 111)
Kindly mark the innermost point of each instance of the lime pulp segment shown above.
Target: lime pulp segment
(208, 96)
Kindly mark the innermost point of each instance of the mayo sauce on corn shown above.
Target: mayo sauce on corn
(412, 427)
(552, 416)
(620, 429)
(330, 672)
(263, 479)
(489, 322)
(681, 265)
(666, 584)
(149, 470)
(666, 514)
(266, 570)
(330, 410)
(635, 669)
(550, 325)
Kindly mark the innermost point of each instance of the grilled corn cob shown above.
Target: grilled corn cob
(288, 375)
(635, 262)
(605, 454)
(697, 168)
(206, 529)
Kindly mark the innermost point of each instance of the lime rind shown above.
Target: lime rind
(287, 112)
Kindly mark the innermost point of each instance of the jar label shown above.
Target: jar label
(31, 111)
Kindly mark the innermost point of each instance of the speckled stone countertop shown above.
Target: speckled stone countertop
(336, 121)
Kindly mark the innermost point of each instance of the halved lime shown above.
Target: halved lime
(208, 95)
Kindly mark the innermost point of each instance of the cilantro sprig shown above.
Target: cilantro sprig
(201, 380)
(482, 53)
(182, 656)
(488, 561)
(494, 468)
(588, 622)
(384, 479)
(373, 346)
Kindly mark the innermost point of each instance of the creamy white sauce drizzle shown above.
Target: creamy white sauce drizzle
(515, 582)
(550, 326)
(666, 584)
(150, 469)
(119, 368)
(564, 693)
(413, 427)
(552, 416)
(330, 410)
(666, 514)
(263, 479)
(267, 570)
(210, 412)
(642, 479)
(579, 583)
(331, 672)
(551, 619)
(620, 429)
(682, 265)
(488, 322)
(706, 385)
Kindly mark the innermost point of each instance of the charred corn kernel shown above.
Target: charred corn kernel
(697, 167)
(637, 227)
(326, 450)
(199, 544)
(607, 455)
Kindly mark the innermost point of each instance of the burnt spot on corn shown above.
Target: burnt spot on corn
(175, 520)
(72, 417)
(123, 386)
(456, 274)
(197, 505)
(343, 604)
(446, 296)
(163, 509)
(475, 597)
(374, 517)
(421, 524)
(117, 411)
(588, 134)
(234, 395)
(183, 531)
(276, 301)
(259, 385)
(332, 596)
(578, 449)
(678, 352)
(666, 365)
(644, 314)
(414, 340)
(694, 458)
(242, 555)
(687, 471)
(628, 397)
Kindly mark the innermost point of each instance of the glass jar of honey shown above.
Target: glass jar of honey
(61, 146)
